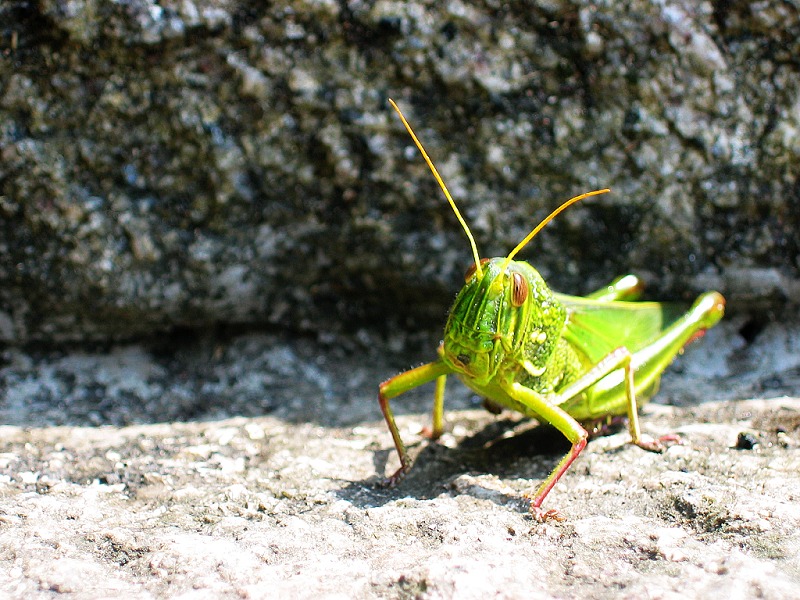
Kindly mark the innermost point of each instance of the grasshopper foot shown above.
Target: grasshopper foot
(542, 516)
(431, 433)
(659, 444)
(539, 514)
(397, 477)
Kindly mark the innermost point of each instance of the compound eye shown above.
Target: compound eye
(519, 289)
(472, 269)
(463, 359)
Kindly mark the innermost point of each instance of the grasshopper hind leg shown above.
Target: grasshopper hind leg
(626, 288)
(650, 361)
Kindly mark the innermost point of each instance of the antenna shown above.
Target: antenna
(545, 221)
(475, 254)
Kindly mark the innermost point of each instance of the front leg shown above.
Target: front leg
(549, 410)
(551, 413)
(400, 384)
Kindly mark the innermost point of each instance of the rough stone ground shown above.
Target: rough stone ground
(286, 505)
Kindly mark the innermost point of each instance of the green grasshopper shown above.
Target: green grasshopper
(564, 360)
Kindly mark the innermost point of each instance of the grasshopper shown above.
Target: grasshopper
(564, 360)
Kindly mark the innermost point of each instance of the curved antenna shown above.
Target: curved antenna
(545, 221)
(475, 254)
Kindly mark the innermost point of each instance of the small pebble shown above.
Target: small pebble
(746, 441)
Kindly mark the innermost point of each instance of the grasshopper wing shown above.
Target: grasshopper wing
(595, 328)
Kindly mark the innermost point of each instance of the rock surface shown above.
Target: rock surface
(180, 164)
(261, 508)
(99, 498)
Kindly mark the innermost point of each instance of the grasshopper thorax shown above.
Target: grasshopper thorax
(505, 317)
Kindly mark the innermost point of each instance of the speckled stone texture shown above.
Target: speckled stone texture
(181, 164)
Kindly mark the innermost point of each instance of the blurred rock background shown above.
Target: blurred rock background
(178, 165)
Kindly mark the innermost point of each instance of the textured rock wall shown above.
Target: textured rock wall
(179, 164)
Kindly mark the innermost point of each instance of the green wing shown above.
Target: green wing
(596, 328)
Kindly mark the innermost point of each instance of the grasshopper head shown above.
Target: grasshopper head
(494, 311)
(504, 306)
